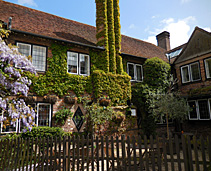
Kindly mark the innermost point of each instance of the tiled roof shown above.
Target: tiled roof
(38, 22)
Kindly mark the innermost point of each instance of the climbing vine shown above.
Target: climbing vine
(56, 79)
(117, 87)
(111, 37)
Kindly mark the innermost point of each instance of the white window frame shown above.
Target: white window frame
(69, 52)
(1, 128)
(141, 73)
(206, 68)
(189, 73)
(197, 109)
(31, 53)
(135, 71)
(37, 106)
(78, 63)
(25, 44)
(88, 70)
(208, 108)
(192, 73)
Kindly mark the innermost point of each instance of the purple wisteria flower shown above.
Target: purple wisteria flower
(12, 83)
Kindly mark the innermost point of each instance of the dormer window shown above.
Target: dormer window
(78, 63)
(38, 54)
(135, 71)
(190, 73)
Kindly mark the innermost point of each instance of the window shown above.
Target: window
(38, 54)
(6, 127)
(190, 73)
(43, 111)
(200, 109)
(78, 63)
(208, 67)
(43, 114)
(193, 113)
(135, 71)
(78, 118)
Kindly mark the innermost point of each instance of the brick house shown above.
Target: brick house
(35, 31)
(192, 67)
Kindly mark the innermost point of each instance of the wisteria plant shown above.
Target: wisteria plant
(13, 84)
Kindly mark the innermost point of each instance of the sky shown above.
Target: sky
(141, 19)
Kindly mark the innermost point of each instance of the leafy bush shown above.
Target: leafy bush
(61, 115)
(156, 72)
(42, 132)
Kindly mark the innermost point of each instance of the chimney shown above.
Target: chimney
(163, 40)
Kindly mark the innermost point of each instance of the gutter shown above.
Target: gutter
(56, 39)
(132, 55)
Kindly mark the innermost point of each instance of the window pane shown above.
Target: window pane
(185, 74)
(24, 49)
(131, 71)
(193, 112)
(208, 67)
(6, 125)
(72, 62)
(203, 109)
(39, 58)
(195, 73)
(44, 114)
(139, 73)
(84, 64)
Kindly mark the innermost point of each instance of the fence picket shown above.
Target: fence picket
(117, 153)
(152, 152)
(123, 153)
(203, 153)
(102, 153)
(158, 144)
(209, 147)
(185, 156)
(171, 153)
(140, 153)
(190, 161)
(134, 153)
(31, 153)
(177, 144)
(195, 146)
(164, 153)
(64, 154)
(82, 152)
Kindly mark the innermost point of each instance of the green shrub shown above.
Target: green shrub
(61, 116)
(41, 132)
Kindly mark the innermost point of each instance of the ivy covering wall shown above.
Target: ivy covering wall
(116, 86)
(58, 81)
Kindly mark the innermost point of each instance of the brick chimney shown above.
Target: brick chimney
(163, 40)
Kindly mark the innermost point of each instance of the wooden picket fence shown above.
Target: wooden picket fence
(106, 153)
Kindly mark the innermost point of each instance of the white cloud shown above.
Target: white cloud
(207, 29)
(132, 26)
(27, 2)
(179, 31)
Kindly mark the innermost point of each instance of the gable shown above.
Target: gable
(198, 45)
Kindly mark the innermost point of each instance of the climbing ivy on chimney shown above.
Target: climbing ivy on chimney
(117, 30)
(109, 35)
(102, 34)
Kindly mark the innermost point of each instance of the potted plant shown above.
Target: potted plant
(104, 101)
(62, 115)
(70, 99)
(50, 98)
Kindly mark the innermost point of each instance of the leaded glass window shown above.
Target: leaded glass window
(38, 54)
(78, 119)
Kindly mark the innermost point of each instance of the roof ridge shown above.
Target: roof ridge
(46, 13)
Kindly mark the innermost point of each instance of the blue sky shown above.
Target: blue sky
(141, 19)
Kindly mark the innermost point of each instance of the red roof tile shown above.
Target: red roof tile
(38, 22)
